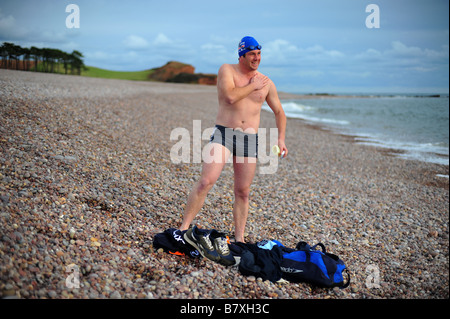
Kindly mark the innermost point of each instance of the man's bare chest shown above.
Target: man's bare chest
(257, 96)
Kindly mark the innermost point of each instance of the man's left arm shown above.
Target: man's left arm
(274, 103)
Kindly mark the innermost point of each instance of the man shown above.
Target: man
(241, 91)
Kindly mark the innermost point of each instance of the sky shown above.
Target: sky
(320, 46)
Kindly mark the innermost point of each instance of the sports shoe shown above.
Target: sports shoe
(220, 243)
(200, 239)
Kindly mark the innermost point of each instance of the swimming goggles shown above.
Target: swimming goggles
(253, 47)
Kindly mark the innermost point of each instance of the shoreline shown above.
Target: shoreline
(434, 168)
(438, 157)
(86, 180)
(440, 170)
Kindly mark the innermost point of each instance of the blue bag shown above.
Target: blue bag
(306, 264)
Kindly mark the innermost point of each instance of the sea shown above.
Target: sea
(416, 125)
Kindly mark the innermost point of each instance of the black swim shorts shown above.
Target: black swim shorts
(238, 142)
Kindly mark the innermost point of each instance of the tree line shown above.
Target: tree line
(45, 59)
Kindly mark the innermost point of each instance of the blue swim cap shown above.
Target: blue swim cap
(248, 44)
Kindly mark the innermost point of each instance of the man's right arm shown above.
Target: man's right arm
(228, 90)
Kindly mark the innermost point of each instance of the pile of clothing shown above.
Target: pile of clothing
(260, 260)
(268, 259)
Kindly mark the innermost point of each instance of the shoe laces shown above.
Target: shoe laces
(208, 243)
(223, 246)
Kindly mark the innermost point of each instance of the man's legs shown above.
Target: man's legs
(211, 170)
(244, 171)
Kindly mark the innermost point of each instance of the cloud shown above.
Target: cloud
(165, 48)
(139, 53)
(401, 50)
(212, 55)
(9, 29)
(135, 42)
(369, 56)
(14, 31)
(402, 57)
(315, 65)
(280, 52)
(283, 53)
(7, 23)
(162, 39)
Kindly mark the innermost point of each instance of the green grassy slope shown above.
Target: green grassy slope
(122, 75)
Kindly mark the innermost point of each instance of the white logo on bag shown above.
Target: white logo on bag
(291, 270)
(178, 237)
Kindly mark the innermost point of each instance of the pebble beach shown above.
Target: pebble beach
(87, 180)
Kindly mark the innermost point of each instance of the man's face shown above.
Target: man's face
(252, 59)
